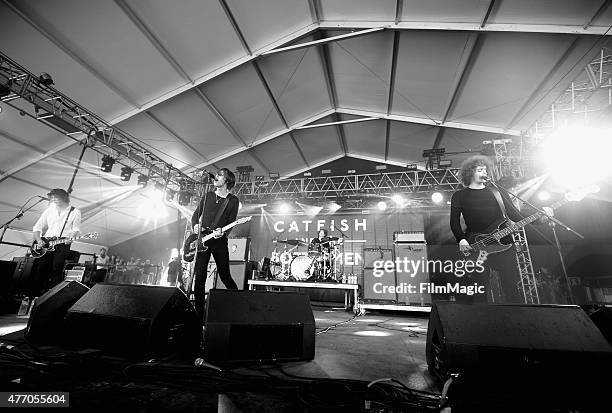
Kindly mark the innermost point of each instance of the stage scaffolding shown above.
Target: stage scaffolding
(34, 97)
(347, 187)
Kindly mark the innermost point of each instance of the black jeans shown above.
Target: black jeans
(218, 249)
(500, 279)
(51, 268)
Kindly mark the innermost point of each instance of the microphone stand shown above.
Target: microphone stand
(554, 231)
(22, 211)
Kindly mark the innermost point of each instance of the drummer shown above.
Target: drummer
(321, 243)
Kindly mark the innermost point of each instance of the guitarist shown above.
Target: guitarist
(216, 209)
(58, 220)
(480, 208)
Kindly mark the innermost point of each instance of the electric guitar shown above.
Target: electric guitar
(38, 250)
(493, 239)
(189, 247)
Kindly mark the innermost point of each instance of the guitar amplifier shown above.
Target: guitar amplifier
(25, 277)
(408, 236)
(238, 249)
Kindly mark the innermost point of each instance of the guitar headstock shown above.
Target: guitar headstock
(244, 219)
(90, 235)
(579, 194)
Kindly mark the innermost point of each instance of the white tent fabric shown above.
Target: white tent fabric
(196, 81)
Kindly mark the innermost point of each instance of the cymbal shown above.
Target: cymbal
(292, 242)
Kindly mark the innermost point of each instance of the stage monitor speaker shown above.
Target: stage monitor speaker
(136, 321)
(46, 323)
(238, 249)
(601, 316)
(506, 339)
(258, 326)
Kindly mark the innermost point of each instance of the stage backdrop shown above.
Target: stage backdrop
(358, 230)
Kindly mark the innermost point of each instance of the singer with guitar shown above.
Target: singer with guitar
(216, 209)
(481, 207)
(58, 220)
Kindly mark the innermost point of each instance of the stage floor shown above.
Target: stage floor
(368, 347)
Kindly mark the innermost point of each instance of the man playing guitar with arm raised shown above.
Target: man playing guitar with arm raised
(221, 200)
(58, 220)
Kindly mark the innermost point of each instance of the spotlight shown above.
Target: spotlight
(284, 208)
(544, 196)
(170, 194)
(143, 180)
(45, 79)
(107, 163)
(184, 198)
(159, 187)
(382, 205)
(126, 173)
(399, 200)
(437, 197)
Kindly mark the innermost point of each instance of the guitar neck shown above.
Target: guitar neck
(225, 228)
(520, 224)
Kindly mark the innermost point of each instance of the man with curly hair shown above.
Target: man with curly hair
(480, 208)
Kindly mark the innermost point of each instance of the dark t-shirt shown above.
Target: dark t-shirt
(479, 209)
(213, 203)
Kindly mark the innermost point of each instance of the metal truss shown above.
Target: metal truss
(527, 281)
(513, 157)
(350, 186)
(34, 97)
(585, 98)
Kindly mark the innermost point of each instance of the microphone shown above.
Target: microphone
(485, 178)
(43, 198)
(210, 175)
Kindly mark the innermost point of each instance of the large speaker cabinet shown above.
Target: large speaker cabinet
(258, 325)
(46, 322)
(512, 338)
(136, 321)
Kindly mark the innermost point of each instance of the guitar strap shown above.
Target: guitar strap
(500, 201)
(215, 222)
(66, 221)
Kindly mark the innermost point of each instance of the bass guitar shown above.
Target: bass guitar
(189, 247)
(496, 239)
(38, 250)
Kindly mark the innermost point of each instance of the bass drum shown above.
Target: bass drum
(301, 267)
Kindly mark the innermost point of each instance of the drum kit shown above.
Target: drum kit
(317, 263)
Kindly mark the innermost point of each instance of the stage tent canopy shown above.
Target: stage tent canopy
(209, 84)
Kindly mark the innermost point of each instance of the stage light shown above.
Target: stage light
(45, 79)
(544, 196)
(437, 197)
(143, 180)
(184, 198)
(158, 187)
(239, 205)
(334, 206)
(576, 157)
(382, 205)
(107, 163)
(399, 200)
(126, 173)
(153, 208)
(284, 208)
(170, 193)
